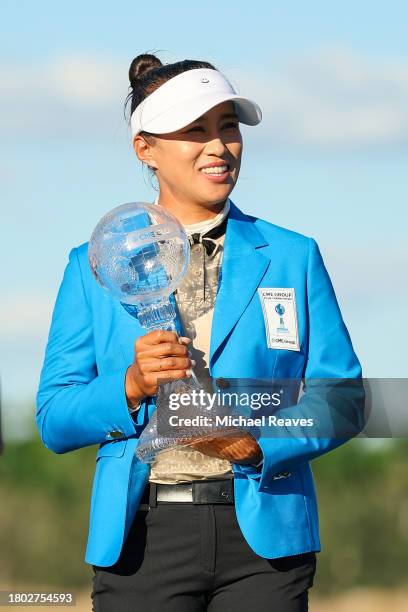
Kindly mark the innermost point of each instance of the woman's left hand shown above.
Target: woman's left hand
(242, 448)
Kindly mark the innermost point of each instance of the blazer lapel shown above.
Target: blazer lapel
(242, 269)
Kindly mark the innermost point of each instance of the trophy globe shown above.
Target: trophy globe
(139, 253)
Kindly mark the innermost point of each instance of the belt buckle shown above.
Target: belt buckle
(213, 491)
(179, 493)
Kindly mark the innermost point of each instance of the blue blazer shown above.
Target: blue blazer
(81, 398)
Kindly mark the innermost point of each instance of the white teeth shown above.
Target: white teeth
(215, 170)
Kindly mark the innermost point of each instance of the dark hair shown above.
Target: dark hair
(147, 73)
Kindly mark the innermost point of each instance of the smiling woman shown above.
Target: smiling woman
(192, 180)
(224, 524)
(196, 187)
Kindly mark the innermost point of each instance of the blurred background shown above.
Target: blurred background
(328, 160)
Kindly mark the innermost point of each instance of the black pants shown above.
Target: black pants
(181, 557)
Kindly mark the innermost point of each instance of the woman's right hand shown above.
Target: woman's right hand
(158, 354)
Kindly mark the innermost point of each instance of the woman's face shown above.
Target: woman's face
(180, 156)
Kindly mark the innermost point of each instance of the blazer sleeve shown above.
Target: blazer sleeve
(330, 356)
(75, 406)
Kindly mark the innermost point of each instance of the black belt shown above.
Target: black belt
(210, 491)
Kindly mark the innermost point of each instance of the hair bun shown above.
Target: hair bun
(141, 65)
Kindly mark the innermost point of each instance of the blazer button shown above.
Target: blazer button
(114, 434)
(223, 383)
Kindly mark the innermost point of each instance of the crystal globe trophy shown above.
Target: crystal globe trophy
(139, 253)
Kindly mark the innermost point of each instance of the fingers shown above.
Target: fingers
(166, 363)
(160, 343)
(157, 336)
(232, 448)
(159, 355)
(206, 449)
(164, 349)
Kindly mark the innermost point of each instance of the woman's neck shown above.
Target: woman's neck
(189, 214)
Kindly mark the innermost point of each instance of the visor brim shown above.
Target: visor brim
(188, 110)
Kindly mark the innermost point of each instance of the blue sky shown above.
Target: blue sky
(328, 160)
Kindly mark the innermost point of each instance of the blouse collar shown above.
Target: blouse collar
(202, 227)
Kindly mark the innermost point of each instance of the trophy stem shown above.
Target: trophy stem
(158, 315)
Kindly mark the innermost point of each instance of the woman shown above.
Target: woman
(222, 524)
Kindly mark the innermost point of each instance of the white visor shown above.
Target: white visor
(187, 96)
